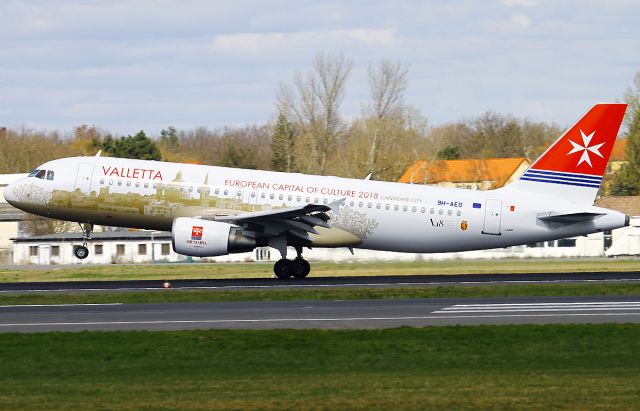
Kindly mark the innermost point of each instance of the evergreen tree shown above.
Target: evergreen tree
(282, 155)
(169, 137)
(626, 182)
(449, 153)
(138, 146)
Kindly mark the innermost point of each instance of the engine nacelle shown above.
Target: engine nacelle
(202, 238)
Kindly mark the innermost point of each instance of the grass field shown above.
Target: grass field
(351, 293)
(319, 269)
(484, 367)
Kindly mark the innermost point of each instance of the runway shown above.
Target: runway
(357, 314)
(321, 282)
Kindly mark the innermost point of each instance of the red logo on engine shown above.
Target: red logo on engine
(196, 233)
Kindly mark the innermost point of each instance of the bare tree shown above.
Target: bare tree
(387, 83)
(314, 103)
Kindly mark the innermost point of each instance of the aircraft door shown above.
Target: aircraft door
(83, 178)
(492, 217)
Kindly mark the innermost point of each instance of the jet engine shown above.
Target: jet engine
(203, 238)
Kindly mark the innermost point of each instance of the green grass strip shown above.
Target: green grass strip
(319, 269)
(454, 291)
(524, 367)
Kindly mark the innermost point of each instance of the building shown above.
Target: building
(9, 218)
(475, 174)
(112, 247)
(623, 241)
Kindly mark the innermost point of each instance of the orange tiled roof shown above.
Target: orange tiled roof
(470, 170)
(619, 152)
(629, 205)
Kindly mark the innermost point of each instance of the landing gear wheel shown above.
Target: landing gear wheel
(81, 252)
(283, 268)
(300, 268)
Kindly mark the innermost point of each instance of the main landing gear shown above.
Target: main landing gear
(82, 251)
(298, 268)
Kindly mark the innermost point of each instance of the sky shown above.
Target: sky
(146, 64)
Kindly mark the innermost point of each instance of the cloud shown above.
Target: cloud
(520, 3)
(270, 43)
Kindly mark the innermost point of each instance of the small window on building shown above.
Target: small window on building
(120, 249)
(98, 249)
(55, 250)
(164, 249)
(536, 245)
(567, 242)
(142, 249)
(33, 250)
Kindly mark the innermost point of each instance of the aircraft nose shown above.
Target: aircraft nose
(9, 193)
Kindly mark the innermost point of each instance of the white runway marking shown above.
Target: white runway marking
(56, 305)
(541, 307)
(272, 320)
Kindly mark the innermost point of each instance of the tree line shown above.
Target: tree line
(310, 135)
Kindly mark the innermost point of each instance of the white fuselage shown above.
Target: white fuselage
(385, 216)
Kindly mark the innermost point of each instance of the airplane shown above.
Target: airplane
(214, 211)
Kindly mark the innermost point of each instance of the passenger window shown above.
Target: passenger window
(404, 208)
(396, 207)
(387, 206)
(137, 184)
(298, 199)
(289, 197)
(110, 181)
(272, 196)
(49, 175)
(449, 212)
(128, 183)
(378, 205)
(360, 204)
(41, 174)
(263, 195)
(369, 205)
(413, 209)
(459, 213)
(280, 197)
(432, 211)
(102, 181)
(119, 182)
(422, 210)
(217, 191)
(351, 204)
(146, 185)
(440, 211)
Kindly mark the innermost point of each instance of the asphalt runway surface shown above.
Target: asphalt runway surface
(356, 314)
(321, 282)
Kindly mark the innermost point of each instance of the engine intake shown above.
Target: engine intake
(203, 238)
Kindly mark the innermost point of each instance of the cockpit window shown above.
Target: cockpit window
(33, 173)
(49, 175)
(40, 174)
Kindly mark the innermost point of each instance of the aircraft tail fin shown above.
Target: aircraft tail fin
(573, 166)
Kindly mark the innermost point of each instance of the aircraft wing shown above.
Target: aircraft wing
(567, 218)
(298, 221)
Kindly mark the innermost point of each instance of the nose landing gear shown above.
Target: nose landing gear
(82, 251)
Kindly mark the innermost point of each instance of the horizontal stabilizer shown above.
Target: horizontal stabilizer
(568, 218)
